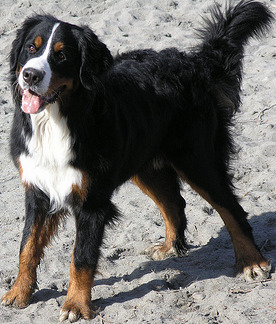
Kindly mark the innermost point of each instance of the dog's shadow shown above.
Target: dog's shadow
(213, 260)
(46, 294)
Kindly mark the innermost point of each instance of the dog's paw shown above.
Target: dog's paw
(257, 272)
(16, 297)
(73, 309)
(159, 252)
(163, 251)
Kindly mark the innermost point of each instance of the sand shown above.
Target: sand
(130, 288)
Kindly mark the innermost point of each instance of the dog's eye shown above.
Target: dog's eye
(32, 49)
(61, 56)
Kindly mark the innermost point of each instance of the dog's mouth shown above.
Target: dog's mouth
(33, 103)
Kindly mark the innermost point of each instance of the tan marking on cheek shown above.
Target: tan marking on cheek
(58, 46)
(38, 42)
(57, 82)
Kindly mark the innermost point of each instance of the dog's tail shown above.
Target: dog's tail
(224, 37)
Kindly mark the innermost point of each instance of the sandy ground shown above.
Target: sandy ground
(199, 288)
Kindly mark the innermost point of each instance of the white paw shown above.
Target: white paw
(72, 317)
(257, 272)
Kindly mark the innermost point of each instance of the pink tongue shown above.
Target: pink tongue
(30, 102)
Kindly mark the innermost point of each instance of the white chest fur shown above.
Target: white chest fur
(47, 166)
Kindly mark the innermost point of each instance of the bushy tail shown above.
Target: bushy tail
(224, 37)
(234, 28)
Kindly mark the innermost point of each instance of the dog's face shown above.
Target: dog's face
(47, 65)
(50, 58)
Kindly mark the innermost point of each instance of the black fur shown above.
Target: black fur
(141, 109)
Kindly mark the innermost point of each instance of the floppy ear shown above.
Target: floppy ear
(95, 57)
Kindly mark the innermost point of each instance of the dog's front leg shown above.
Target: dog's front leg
(39, 227)
(90, 223)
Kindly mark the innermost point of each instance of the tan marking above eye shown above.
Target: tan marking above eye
(38, 42)
(58, 46)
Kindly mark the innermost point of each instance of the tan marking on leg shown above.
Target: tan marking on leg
(247, 255)
(29, 259)
(171, 227)
(78, 299)
(20, 293)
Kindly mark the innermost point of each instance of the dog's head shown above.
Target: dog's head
(50, 58)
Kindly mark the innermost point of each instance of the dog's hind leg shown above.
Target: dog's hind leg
(162, 186)
(210, 180)
(39, 228)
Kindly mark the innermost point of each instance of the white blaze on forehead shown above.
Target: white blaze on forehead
(40, 63)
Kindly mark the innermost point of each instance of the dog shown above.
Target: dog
(85, 122)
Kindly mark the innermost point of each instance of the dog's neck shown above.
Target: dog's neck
(50, 142)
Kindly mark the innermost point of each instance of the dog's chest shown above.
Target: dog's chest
(47, 163)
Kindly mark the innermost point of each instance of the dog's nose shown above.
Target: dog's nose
(32, 76)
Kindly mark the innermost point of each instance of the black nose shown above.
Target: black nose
(32, 76)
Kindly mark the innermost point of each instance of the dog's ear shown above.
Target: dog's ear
(95, 57)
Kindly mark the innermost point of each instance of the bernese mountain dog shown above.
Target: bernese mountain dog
(85, 122)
